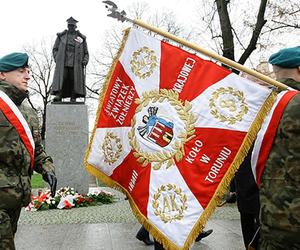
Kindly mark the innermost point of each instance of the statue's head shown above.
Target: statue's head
(72, 24)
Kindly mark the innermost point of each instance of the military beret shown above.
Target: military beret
(286, 58)
(13, 61)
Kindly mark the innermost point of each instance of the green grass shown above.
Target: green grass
(37, 181)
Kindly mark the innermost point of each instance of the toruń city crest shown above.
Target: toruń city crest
(161, 126)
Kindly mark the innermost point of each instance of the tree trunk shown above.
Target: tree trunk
(227, 35)
(260, 22)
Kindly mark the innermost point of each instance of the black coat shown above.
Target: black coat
(246, 188)
(81, 59)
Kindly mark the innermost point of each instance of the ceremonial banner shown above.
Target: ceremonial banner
(171, 131)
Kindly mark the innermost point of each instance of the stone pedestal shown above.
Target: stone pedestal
(66, 142)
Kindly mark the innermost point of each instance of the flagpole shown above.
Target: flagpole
(121, 16)
(211, 54)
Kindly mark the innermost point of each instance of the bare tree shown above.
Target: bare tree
(283, 15)
(101, 63)
(238, 28)
(41, 65)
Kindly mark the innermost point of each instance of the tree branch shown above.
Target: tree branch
(256, 32)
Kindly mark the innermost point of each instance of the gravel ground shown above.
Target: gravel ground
(118, 212)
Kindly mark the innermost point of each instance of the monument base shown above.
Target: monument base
(66, 142)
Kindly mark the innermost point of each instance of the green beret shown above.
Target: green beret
(286, 58)
(13, 61)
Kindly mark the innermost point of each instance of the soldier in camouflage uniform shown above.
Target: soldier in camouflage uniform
(15, 160)
(280, 181)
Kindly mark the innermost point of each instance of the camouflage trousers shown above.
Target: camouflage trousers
(10, 209)
(273, 245)
(272, 239)
(8, 227)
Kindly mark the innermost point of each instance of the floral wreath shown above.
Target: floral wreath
(110, 156)
(230, 119)
(67, 197)
(155, 204)
(183, 111)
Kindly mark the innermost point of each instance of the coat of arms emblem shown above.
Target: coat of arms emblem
(157, 129)
(155, 137)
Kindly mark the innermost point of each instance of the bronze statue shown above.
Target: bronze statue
(71, 56)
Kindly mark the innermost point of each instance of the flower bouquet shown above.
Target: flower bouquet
(67, 198)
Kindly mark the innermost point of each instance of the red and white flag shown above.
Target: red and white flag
(171, 131)
(265, 137)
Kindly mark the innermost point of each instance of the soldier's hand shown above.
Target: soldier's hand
(52, 181)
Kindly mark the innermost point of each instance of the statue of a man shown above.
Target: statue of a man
(71, 56)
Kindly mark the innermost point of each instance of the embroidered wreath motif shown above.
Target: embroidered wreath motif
(112, 148)
(143, 62)
(228, 100)
(179, 196)
(183, 110)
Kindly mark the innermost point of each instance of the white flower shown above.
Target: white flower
(69, 199)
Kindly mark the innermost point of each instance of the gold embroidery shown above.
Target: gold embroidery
(112, 148)
(228, 100)
(169, 203)
(143, 62)
(183, 110)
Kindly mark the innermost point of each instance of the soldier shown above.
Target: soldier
(71, 56)
(21, 150)
(280, 181)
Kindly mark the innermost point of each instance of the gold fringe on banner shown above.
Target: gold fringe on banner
(222, 187)
(88, 166)
(238, 160)
(106, 179)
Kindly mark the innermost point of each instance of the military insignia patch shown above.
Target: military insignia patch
(160, 128)
(143, 62)
(228, 105)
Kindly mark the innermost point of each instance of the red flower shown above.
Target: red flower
(67, 204)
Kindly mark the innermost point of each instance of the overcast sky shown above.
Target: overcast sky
(31, 21)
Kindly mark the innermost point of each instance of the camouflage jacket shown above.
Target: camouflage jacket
(280, 182)
(14, 157)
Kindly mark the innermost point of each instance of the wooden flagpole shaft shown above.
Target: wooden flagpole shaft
(222, 59)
